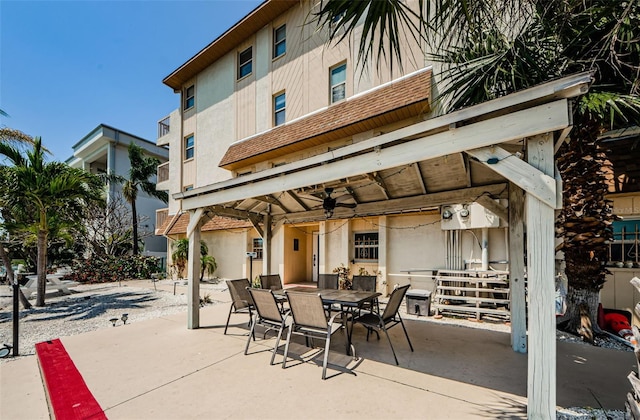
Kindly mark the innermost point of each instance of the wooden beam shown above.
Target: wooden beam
(353, 195)
(529, 122)
(256, 226)
(234, 213)
(524, 175)
(467, 168)
(375, 177)
(396, 205)
(269, 199)
(193, 270)
(494, 207)
(517, 292)
(297, 199)
(541, 370)
(421, 183)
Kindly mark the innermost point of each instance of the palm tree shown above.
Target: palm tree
(180, 256)
(492, 48)
(142, 169)
(42, 190)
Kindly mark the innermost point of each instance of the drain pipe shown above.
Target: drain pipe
(485, 249)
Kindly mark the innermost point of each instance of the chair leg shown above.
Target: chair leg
(391, 345)
(326, 355)
(275, 349)
(228, 318)
(251, 334)
(286, 347)
(405, 334)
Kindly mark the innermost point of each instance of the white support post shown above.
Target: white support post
(516, 269)
(541, 371)
(266, 245)
(323, 261)
(345, 240)
(382, 254)
(193, 270)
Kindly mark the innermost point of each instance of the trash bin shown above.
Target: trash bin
(418, 302)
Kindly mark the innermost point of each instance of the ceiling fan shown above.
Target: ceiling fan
(329, 203)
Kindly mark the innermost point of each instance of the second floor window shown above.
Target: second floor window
(279, 41)
(338, 83)
(189, 147)
(245, 59)
(279, 105)
(190, 97)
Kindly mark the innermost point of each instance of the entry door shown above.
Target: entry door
(315, 263)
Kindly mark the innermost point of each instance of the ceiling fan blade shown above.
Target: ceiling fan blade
(347, 205)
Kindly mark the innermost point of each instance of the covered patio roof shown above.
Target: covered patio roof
(501, 148)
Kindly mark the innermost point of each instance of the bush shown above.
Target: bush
(110, 268)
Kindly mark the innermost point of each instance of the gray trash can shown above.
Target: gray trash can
(418, 302)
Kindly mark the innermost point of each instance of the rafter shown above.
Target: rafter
(375, 177)
(269, 199)
(297, 199)
(423, 186)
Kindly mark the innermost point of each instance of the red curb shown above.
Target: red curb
(68, 394)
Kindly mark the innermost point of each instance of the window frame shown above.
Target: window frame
(333, 85)
(277, 43)
(369, 245)
(282, 110)
(189, 101)
(257, 246)
(243, 64)
(188, 148)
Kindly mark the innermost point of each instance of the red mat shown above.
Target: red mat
(68, 393)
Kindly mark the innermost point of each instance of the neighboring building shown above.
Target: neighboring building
(104, 150)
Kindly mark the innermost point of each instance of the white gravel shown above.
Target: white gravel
(91, 306)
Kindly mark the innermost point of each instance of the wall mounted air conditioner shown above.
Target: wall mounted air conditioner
(467, 216)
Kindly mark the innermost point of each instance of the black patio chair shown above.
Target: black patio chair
(273, 282)
(268, 316)
(241, 301)
(366, 284)
(373, 321)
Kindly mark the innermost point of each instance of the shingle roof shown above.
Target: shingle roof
(400, 99)
(181, 221)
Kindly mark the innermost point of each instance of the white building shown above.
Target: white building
(104, 150)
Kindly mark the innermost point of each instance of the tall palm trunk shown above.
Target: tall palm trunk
(42, 258)
(134, 215)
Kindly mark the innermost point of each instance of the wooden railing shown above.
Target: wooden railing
(163, 172)
(164, 127)
(161, 217)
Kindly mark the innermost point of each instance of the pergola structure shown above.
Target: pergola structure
(511, 141)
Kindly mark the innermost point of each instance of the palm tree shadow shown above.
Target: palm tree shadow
(86, 307)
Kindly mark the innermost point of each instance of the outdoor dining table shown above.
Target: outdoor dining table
(349, 301)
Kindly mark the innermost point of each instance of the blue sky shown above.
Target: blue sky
(68, 66)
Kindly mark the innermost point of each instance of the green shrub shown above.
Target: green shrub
(110, 268)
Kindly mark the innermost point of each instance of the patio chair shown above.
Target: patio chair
(268, 315)
(310, 321)
(373, 321)
(270, 281)
(327, 281)
(273, 282)
(241, 301)
(366, 284)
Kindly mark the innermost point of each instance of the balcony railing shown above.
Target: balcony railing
(161, 217)
(164, 126)
(163, 172)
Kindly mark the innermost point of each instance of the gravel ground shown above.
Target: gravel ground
(91, 307)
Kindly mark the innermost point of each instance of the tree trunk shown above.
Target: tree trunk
(11, 277)
(582, 310)
(134, 215)
(42, 266)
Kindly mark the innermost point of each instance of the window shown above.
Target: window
(189, 97)
(245, 58)
(279, 41)
(257, 248)
(625, 247)
(366, 246)
(189, 145)
(279, 104)
(338, 83)
(188, 188)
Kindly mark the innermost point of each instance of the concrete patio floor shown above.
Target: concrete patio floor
(157, 369)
